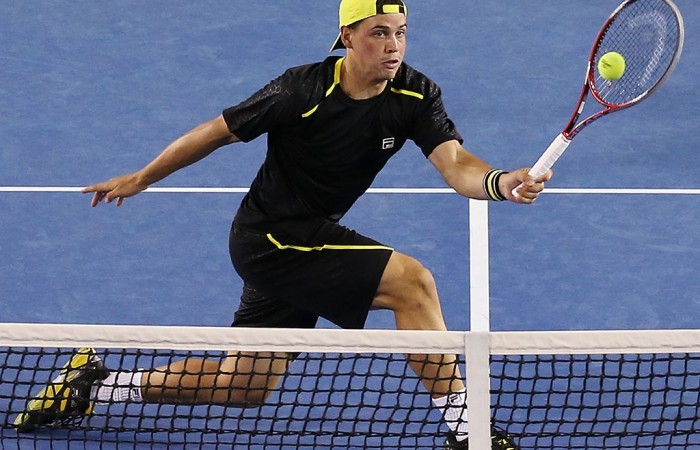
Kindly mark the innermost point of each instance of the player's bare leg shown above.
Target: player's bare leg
(243, 378)
(408, 289)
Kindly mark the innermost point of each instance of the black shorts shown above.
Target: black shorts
(321, 269)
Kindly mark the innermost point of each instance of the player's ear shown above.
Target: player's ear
(346, 36)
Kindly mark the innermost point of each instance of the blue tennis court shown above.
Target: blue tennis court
(90, 90)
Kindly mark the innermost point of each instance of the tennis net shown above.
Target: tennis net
(352, 389)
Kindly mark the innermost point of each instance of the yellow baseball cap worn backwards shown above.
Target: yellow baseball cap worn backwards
(353, 11)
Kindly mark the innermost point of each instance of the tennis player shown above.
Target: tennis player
(331, 127)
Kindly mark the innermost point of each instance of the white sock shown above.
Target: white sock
(118, 387)
(454, 409)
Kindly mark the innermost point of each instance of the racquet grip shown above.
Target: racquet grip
(548, 158)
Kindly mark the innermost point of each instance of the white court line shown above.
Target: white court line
(234, 190)
(638, 191)
(477, 350)
(479, 294)
(217, 190)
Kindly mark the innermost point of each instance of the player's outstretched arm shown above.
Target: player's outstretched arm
(461, 170)
(465, 173)
(187, 149)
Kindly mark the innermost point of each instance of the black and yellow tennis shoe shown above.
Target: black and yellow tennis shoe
(500, 440)
(66, 399)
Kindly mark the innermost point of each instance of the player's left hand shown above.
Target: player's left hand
(527, 189)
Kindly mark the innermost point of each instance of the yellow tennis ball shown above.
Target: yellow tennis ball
(611, 66)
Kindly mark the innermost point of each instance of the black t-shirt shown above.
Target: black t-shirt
(324, 148)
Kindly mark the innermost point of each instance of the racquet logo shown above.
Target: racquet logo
(657, 22)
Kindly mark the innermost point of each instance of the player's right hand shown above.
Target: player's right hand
(117, 188)
(519, 187)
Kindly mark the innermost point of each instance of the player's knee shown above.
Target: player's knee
(418, 290)
(423, 280)
(425, 290)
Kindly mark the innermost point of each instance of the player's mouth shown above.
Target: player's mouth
(391, 64)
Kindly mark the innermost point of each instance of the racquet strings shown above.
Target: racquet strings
(648, 34)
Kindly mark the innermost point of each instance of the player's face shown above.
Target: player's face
(380, 44)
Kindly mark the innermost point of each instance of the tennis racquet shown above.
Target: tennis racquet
(649, 34)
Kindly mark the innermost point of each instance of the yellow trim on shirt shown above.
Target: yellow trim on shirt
(336, 75)
(336, 81)
(409, 93)
(308, 113)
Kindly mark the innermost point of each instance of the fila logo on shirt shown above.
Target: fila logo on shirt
(388, 143)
